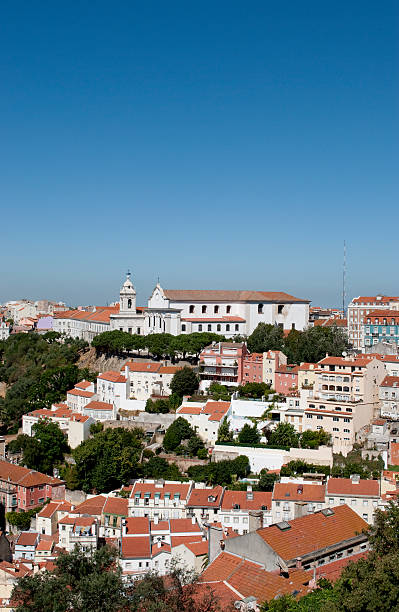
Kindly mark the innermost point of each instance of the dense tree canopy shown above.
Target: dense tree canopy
(284, 435)
(220, 472)
(254, 390)
(178, 432)
(184, 382)
(108, 460)
(44, 450)
(249, 435)
(84, 582)
(159, 345)
(38, 370)
(310, 345)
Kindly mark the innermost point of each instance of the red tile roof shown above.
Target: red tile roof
(142, 367)
(112, 376)
(250, 579)
(137, 525)
(360, 362)
(184, 525)
(177, 540)
(198, 548)
(45, 545)
(54, 506)
(345, 486)
(93, 505)
(80, 393)
(136, 548)
(169, 369)
(157, 550)
(260, 498)
(390, 381)
(83, 384)
(199, 498)
(96, 405)
(313, 532)
(27, 538)
(215, 320)
(290, 491)
(212, 295)
(116, 505)
(151, 488)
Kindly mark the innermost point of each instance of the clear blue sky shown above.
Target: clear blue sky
(216, 144)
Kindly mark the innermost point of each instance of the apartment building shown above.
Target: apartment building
(272, 360)
(148, 378)
(381, 326)
(205, 502)
(245, 511)
(222, 362)
(389, 397)
(159, 499)
(79, 531)
(252, 368)
(286, 378)
(361, 495)
(23, 489)
(291, 500)
(345, 397)
(359, 308)
(74, 425)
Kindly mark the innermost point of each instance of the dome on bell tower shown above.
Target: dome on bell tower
(127, 296)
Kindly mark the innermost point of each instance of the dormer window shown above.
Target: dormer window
(236, 506)
(211, 498)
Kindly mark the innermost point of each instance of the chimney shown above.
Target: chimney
(355, 478)
(255, 520)
(156, 519)
(193, 521)
(159, 543)
(298, 563)
(215, 537)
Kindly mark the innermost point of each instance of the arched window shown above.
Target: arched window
(227, 327)
(191, 309)
(200, 327)
(218, 327)
(183, 327)
(129, 303)
(228, 309)
(209, 327)
(260, 308)
(237, 327)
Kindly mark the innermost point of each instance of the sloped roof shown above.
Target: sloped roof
(291, 491)
(313, 532)
(27, 538)
(345, 486)
(136, 548)
(116, 505)
(199, 498)
(251, 579)
(112, 376)
(260, 498)
(216, 295)
(93, 505)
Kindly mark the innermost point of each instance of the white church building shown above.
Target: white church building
(186, 311)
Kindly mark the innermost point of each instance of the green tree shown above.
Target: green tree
(22, 520)
(314, 439)
(219, 392)
(249, 435)
(254, 390)
(109, 459)
(179, 430)
(184, 382)
(266, 480)
(80, 582)
(284, 435)
(45, 449)
(224, 432)
(266, 337)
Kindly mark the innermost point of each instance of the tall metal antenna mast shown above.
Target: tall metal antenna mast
(344, 281)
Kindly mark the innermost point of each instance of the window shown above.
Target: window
(209, 327)
(227, 327)
(260, 308)
(237, 327)
(320, 417)
(346, 420)
(227, 519)
(235, 519)
(347, 431)
(218, 327)
(191, 309)
(129, 303)
(335, 418)
(335, 429)
(216, 309)
(183, 327)
(228, 309)
(203, 309)
(200, 327)
(280, 308)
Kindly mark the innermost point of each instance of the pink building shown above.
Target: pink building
(252, 369)
(286, 378)
(222, 362)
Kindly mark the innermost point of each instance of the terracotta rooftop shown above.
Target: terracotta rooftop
(313, 532)
(260, 498)
(137, 525)
(345, 486)
(250, 579)
(215, 295)
(200, 498)
(133, 548)
(96, 405)
(83, 384)
(116, 505)
(80, 393)
(142, 367)
(112, 376)
(390, 381)
(93, 505)
(151, 488)
(290, 491)
(27, 538)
